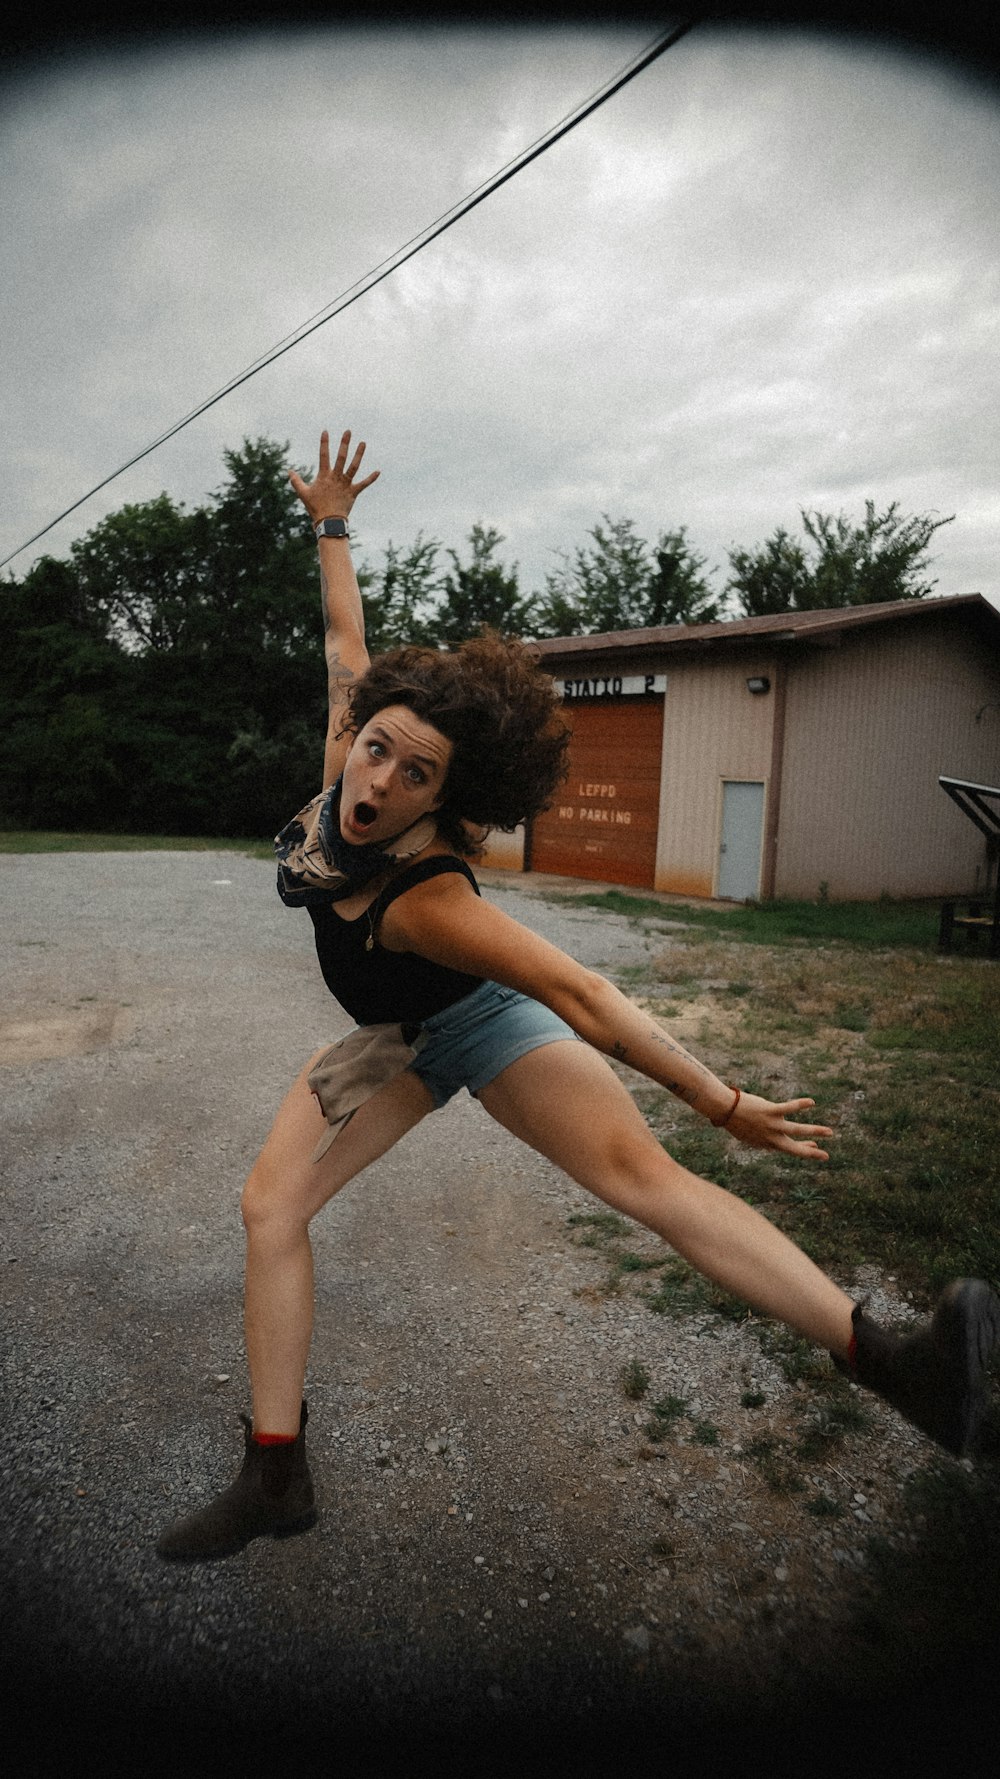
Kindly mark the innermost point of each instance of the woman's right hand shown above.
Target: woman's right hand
(333, 492)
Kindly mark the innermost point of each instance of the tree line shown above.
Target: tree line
(168, 676)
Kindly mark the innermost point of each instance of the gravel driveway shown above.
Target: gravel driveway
(500, 1554)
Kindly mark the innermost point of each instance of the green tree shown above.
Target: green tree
(620, 583)
(260, 554)
(170, 675)
(64, 675)
(400, 602)
(142, 572)
(775, 577)
(883, 558)
(677, 592)
(480, 591)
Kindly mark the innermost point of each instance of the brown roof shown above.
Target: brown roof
(779, 627)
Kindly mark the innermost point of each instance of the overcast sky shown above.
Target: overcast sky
(763, 277)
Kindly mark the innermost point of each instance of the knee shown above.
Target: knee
(640, 1174)
(635, 1157)
(270, 1208)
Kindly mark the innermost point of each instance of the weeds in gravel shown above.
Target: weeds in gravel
(666, 1413)
(704, 1433)
(823, 1506)
(898, 1047)
(932, 1597)
(635, 1380)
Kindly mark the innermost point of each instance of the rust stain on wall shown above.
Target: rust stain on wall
(684, 883)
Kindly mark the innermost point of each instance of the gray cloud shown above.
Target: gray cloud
(764, 276)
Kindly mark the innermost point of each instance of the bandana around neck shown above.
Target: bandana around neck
(316, 864)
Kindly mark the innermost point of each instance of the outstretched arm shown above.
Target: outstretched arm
(445, 921)
(331, 496)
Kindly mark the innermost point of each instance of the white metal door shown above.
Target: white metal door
(742, 833)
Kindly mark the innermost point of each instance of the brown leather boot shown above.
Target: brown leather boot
(273, 1494)
(935, 1377)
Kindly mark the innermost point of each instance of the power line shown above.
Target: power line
(386, 267)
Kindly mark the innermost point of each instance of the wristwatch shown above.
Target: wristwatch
(332, 528)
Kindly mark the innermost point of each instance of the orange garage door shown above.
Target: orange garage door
(603, 821)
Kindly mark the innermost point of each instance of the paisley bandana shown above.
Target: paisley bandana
(316, 865)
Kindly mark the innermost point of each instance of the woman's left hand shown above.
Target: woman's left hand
(763, 1124)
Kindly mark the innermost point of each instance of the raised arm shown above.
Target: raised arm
(331, 496)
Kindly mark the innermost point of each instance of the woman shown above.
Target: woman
(422, 747)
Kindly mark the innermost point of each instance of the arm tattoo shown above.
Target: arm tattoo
(689, 1095)
(659, 1037)
(339, 679)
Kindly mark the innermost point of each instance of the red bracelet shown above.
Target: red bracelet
(720, 1123)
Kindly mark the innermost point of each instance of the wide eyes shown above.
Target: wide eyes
(415, 774)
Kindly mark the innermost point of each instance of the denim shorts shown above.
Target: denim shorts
(472, 1042)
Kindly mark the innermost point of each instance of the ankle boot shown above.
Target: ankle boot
(272, 1494)
(935, 1377)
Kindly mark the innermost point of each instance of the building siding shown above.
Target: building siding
(714, 729)
(867, 709)
(503, 852)
(870, 726)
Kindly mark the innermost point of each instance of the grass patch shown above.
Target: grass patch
(896, 1044)
(868, 924)
(38, 840)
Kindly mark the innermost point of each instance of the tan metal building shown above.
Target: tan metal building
(790, 755)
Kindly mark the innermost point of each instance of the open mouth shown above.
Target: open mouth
(364, 814)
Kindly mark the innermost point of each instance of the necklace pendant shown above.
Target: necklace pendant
(370, 942)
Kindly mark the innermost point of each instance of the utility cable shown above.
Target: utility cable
(386, 267)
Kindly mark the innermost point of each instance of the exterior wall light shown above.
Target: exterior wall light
(759, 683)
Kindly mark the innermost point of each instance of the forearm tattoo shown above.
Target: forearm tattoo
(689, 1095)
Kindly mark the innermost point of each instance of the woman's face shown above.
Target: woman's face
(395, 772)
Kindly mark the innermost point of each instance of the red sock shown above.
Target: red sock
(274, 1438)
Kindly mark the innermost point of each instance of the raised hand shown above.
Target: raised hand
(762, 1124)
(333, 492)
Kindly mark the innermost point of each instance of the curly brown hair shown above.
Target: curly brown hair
(499, 710)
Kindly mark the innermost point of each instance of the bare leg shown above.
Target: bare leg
(566, 1101)
(284, 1191)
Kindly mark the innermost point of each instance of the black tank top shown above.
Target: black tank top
(378, 987)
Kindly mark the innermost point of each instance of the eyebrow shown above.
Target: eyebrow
(423, 759)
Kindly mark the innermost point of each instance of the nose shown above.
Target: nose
(381, 775)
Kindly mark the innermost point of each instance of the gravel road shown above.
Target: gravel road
(501, 1554)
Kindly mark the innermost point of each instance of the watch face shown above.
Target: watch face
(332, 528)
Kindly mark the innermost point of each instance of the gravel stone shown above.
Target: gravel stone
(466, 1371)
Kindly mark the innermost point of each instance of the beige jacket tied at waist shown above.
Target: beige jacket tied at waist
(354, 1068)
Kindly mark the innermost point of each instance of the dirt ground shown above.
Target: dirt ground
(508, 1571)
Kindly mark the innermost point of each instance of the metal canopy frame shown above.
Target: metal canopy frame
(981, 803)
(970, 800)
